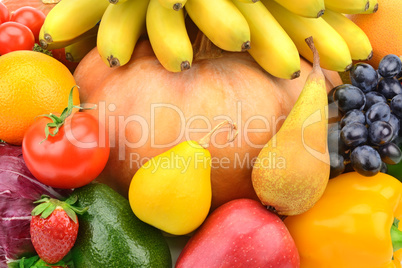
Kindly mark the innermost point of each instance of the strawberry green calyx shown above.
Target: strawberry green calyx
(58, 121)
(47, 205)
(36, 262)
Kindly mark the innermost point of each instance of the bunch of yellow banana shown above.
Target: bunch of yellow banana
(272, 31)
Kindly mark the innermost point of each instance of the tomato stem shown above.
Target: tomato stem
(57, 122)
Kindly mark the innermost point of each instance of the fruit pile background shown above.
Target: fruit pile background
(200, 133)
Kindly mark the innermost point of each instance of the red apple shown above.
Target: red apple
(240, 233)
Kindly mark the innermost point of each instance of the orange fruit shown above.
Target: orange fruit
(383, 29)
(31, 84)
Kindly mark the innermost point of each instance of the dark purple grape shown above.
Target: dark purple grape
(398, 141)
(390, 65)
(363, 76)
(348, 168)
(399, 76)
(378, 112)
(390, 153)
(396, 105)
(389, 87)
(395, 124)
(353, 116)
(331, 95)
(335, 143)
(366, 160)
(334, 126)
(337, 165)
(378, 76)
(384, 168)
(348, 97)
(334, 114)
(380, 133)
(372, 98)
(354, 134)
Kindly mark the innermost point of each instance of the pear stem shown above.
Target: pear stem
(316, 56)
(204, 141)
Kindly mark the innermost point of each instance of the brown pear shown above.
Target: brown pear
(292, 170)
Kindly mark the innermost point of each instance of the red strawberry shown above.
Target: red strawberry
(54, 228)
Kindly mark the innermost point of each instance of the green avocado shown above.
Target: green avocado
(110, 235)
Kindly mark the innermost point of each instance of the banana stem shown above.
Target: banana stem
(232, 134)
(177, 6)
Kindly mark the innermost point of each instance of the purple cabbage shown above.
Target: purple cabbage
(18, 190)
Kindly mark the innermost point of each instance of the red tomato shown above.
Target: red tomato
(72, 158)
(30, 17)
(15, 36)
(4, 14)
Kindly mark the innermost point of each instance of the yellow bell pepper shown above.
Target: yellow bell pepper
(354, 224)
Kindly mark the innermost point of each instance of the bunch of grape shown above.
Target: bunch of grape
(366, 137)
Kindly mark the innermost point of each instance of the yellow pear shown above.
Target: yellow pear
(292, 170)
(172, 191)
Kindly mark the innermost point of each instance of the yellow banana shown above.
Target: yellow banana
(117, 1)
(305, 8)
(333, 50)
(119, 30)
(271, 46)
(173, 4)
(373, 7)
(357, 41)
(71, 18)
(60, 44)
(168, 37)
(248, 1)
(221, 22)
(77, 51)
(348, 6)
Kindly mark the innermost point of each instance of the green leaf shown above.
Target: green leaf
(71, 199)
(70, 98)
(43, 198)
(57, 122)
(86, 108)
(30, 261)
(27, 262)
(64, 114)
(46, 213)
(39, 209)
(55, 131)
(396, 235)
(396, 222)
(79, 210)
(22, 263)
(70, 212)
(46, 133)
